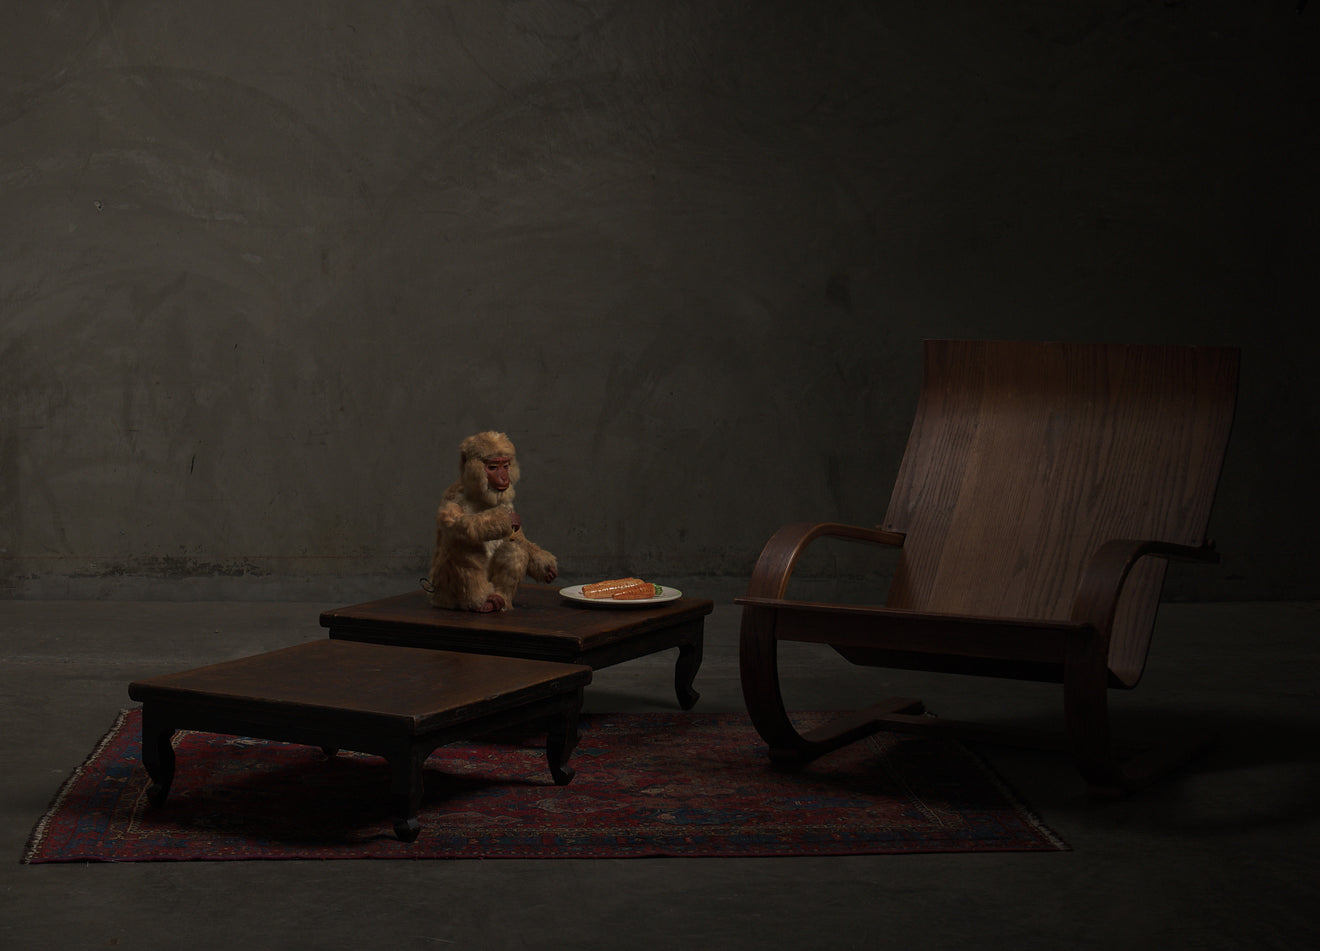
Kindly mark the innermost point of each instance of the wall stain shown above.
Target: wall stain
(169, 567)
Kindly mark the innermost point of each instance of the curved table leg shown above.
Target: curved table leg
(408, 829)
(157, 755)
(561, 739)
(685, 671)
(406, 792)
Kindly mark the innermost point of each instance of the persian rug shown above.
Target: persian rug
(666, 784)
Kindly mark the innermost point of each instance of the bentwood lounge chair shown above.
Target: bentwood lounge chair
(1043, 489)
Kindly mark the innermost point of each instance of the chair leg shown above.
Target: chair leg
(1109, 772)
(759, 667)
(1086, 713)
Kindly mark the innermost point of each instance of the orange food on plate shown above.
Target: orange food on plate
(637, 592)
(607, 589)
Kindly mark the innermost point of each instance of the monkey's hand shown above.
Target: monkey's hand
(492, 524)
(516, 521)
(498, 522)
(542, 565)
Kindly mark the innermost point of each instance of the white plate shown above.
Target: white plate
(574, 593)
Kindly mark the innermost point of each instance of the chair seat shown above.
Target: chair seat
(1020, 648)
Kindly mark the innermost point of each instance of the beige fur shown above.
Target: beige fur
(479, 558)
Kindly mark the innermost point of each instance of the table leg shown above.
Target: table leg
(685, 671)
(406, 792)
(561, 739)
(157, 755)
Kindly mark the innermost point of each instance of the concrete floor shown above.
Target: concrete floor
(1222, 855)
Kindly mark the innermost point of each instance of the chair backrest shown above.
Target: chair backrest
(1024, 457)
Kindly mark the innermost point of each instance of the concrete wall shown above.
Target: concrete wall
(263, 265)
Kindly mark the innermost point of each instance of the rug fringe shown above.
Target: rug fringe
(1009, 792)
(38, 835)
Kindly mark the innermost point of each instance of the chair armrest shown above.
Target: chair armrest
(774, 567)
(1102, 582)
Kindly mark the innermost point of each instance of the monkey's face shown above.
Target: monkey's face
(497, 473)
(489, 481)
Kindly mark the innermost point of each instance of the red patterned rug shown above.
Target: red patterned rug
(668, 784)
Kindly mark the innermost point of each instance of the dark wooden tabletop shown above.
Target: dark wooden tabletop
(539, 613)
(423, 688)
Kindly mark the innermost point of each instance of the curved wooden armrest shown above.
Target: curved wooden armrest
(1102, 582)
(774, 567)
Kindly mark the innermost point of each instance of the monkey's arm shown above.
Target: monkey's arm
(541, 565)
(484, 526)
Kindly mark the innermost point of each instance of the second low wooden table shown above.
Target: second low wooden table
(542, 625)
(395, 702)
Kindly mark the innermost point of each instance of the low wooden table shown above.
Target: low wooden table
(399, 703)
(542, 625)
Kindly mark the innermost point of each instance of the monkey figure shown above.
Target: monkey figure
(480, 550)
